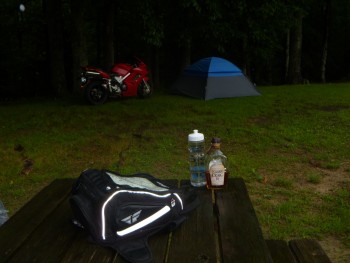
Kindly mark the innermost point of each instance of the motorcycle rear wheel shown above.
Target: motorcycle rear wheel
(96, 94)
(144, 90)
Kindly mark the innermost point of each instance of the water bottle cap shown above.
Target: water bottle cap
(195, 136)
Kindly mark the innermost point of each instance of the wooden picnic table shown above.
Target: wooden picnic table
(224, 228)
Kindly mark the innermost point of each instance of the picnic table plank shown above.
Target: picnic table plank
(158, 246)
(30, 216)
(82, 250)
(51, 238)
(308, 251)
(194, 241)
(224, 228)
(241, 236)
(280, 251)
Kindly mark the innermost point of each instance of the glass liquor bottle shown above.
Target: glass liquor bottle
(216, 166)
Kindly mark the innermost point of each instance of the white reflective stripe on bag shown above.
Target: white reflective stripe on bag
(145, 222)
(155, 216)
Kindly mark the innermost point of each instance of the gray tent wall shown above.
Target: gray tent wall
(211, 78)
(229, 86)
(192, 86)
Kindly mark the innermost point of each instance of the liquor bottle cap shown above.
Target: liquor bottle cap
(215, 140)
(195, 136)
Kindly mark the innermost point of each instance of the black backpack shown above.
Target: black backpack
(123, 211)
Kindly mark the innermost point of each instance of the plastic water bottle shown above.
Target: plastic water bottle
(3, 214)
(196, 145)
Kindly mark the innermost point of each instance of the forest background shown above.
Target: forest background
(274, 42)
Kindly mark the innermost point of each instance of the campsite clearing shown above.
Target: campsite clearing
(290, 145)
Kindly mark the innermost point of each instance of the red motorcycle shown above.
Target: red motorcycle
(124, 80)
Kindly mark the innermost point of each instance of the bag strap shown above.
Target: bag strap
(190, 199)
(136, 250)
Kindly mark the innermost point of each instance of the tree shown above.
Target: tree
(185, 29)
(296, 37)
(272, 41)
(106, 33)
(53, 14)
(78, 40)
(152, 14)
(252, 37)
(199, 31)
(338, 55)
(327, 12)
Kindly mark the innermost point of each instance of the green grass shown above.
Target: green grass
(284, 144)
(314, 178)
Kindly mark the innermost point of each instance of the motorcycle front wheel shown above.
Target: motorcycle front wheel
(144, 90)
(95, 93)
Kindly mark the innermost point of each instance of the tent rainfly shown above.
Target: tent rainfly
(211, 78)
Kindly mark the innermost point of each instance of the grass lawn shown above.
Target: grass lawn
(291, 145)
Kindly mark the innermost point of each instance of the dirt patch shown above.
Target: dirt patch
(327, 182)
(27, 163)
(332, 180)
(311, 175)
(334, 108)
(329, 108)
(335, 249)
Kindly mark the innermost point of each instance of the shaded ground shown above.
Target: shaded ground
(336, 250)
(331, 181)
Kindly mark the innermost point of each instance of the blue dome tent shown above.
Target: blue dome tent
(211, 78)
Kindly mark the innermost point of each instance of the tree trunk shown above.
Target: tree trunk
(106, 34)
(296, 38)
(156, 68)
(246, 56)
(79, 55)
(327, 13)
(186, 56)
(287, 56)
(55, 48)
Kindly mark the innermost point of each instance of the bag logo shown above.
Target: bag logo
(132, 218)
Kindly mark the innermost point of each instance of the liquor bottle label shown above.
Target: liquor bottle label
(217, 174)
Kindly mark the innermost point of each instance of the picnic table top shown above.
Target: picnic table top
(224, 228)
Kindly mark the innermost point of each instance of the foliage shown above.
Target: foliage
(249, 33)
